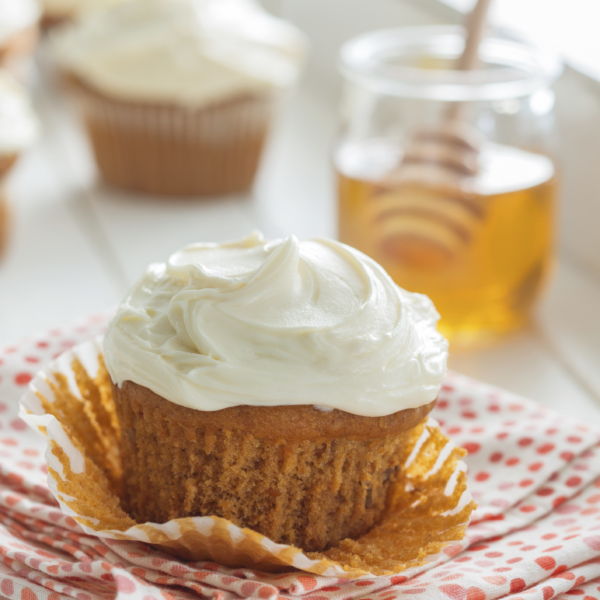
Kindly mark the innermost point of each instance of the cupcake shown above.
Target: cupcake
(59, 12)
(18, 30)
(271, 383)
(178, 95)
(18, 129)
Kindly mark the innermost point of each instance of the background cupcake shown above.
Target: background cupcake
(18, 129)
(178, 95)
(18, 30)
(274, 384)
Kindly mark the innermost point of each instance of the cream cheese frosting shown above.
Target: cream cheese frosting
(17, 15)
(283, 322)
(18, 122)
(182, 51)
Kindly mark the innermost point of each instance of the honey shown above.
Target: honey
(482, 254)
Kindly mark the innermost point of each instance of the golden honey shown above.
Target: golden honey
(481, 254)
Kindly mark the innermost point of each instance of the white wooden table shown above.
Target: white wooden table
(77, 246)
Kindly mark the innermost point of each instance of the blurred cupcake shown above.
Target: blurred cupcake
(18, 129)
(18, 30)
(275, 384)
(58, 12)
(178, 95)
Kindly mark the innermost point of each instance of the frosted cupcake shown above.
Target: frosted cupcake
(18, 30)
(58, 12)
(272, 384)
(18, 130)
(178, 95)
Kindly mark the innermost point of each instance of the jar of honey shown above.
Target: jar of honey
(446, 177)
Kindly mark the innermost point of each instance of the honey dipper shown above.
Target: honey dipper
(426, 210)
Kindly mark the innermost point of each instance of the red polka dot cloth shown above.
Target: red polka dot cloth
(535, 536)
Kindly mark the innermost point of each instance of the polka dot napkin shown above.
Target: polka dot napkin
(535, 535)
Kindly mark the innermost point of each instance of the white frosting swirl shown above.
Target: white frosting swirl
(18, 122)
(274, 323)
(17, 15)
(182, 51)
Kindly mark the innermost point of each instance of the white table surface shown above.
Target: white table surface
(77, 246)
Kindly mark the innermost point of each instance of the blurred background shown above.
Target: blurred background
(76, 244)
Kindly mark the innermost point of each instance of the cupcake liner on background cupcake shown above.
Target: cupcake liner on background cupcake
(18, 130)
(170, 151)
(178, 96)
(19, 21)
(70, 402)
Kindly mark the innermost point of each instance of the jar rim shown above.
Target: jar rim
(519, 67)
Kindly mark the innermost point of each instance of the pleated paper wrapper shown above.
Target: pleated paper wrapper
(70, 403)
(174, 150)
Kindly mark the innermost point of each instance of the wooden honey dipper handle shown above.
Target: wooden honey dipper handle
(452, 145)
(469, 59)
(475, 29)
(425, 217)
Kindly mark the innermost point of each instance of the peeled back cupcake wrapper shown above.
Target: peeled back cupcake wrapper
(71, 404)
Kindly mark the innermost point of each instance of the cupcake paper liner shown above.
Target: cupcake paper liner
(70, 403)
(17, 47)
(4, 221)
(50, 20)
(176, 150)
(7, 161)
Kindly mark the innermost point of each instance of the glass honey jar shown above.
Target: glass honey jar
(447, 177)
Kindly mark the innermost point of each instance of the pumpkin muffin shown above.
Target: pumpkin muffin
(178, 96)
(272, 384)
(18, 130)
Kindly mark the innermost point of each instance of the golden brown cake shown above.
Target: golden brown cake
(176, 99)
(274, 384)
(313, 480)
